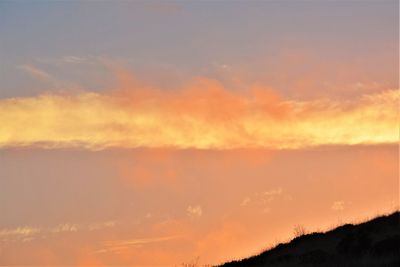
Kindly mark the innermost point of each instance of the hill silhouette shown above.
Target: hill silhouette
(372, 243)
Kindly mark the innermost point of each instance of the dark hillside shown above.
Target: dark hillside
(372, 243)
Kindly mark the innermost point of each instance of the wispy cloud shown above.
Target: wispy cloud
(44, 76)
(74, 59)
(262, 198)
(273, 192)
(35, 72)
(118, 245)
(31, 232)
(101, 225)
(139, 241)
(23, 231)
(65, 227)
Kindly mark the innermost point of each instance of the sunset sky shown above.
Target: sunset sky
(152, 133)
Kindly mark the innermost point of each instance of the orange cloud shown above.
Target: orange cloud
(201, 115)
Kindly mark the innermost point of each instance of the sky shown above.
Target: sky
(156, 133)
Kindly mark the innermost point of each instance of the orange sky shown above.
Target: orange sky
(152, 134)
(158, 207)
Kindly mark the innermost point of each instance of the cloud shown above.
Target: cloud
(35, 72)
(65, 227)
(74, 59)
(262, 199)
(30, 232)
(270, 195)
(119, 245)
(18, 232)
(203, 114)
(338, 205)
(101, 225)
(273, 192)
(139, 241)
(55, 83)
(195, 211)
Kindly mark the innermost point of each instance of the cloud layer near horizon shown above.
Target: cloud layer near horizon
(201, 115)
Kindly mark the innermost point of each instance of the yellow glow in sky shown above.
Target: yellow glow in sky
(208, 117)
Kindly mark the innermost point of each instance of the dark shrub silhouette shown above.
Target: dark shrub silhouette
(354, 244)
(315, 257)
(387, 247)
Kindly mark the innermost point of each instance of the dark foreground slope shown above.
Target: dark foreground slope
(373, 243)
